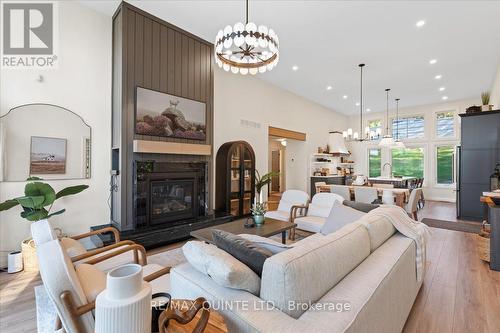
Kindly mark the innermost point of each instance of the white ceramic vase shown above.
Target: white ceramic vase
(125, 305)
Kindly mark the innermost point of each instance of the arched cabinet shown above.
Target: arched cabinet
(235, 178)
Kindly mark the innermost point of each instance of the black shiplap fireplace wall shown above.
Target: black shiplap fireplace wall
(153, 54)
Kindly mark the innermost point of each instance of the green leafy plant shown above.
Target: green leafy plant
(38, 196)
(485, 97)
(260, 182)
(259, 208)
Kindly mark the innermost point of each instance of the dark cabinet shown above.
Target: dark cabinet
(235, 178)
(334, 180)
(477, 157)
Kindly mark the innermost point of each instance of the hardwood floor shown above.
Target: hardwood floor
(459, 294)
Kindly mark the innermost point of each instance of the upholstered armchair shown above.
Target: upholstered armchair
(74, 290)
(289, 200)
(42, 232)
(316, 213)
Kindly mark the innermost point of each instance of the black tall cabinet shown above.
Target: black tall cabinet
(477, 157)
(235, 178)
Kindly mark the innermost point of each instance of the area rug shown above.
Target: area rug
(472, 227)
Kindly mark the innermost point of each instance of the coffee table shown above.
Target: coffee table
(270, 228)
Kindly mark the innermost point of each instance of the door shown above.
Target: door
(275, 167)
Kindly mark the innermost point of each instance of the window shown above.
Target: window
(411, 127)
(445, 170)
(374, 162)
(408, 162)
(445, 124)
(375, 127)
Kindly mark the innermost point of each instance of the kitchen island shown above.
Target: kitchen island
(400, 182)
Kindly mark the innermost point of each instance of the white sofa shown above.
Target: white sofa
(370, 266)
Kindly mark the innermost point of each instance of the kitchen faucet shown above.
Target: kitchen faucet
(390, 169)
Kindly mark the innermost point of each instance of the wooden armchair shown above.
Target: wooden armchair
(43, 232)
(65, 287)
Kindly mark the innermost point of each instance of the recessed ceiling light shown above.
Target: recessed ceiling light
(438, 77)
(433, 61)
(295, 68)
(329, 87)
(368, 110)
(420, 23)
(442, 88)
(344, 97)
(444, 98)
(357, 103)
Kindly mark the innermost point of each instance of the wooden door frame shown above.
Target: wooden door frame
(286, 134)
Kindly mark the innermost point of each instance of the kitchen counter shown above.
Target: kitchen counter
(396, 181)
(392, 179)
(329, 176)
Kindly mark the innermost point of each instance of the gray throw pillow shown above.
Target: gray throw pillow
(361, 206)
(245, 251)
(340, 215)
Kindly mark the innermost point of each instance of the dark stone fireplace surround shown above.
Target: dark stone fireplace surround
(185, 185)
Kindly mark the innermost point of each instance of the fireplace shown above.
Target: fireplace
(169, 194)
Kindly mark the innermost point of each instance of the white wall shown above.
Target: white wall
(495, 90)
(431, 189)
(248, 98)
(82, 83)
(51, 122)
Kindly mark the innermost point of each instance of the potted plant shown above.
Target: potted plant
(36, 205)
(258, 210)
(485, 98)
(260, 182)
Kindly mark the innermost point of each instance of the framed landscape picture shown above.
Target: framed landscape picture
(47, 156)
(164, 115)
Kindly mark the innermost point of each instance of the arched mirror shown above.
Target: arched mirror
(46, 141)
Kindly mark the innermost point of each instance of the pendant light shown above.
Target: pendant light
(398, 143)
(348, 135)
(246, 48)
(387, 140)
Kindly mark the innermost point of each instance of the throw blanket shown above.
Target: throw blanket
(410, 228)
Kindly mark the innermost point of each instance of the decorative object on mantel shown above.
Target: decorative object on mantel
(485, 99)
(125, 305)
(246, 48)
(37, 196)
(164, 115)
(398, 143)
(387, 140)
(348, 135)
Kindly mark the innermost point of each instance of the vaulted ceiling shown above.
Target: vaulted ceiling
(327, 39)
